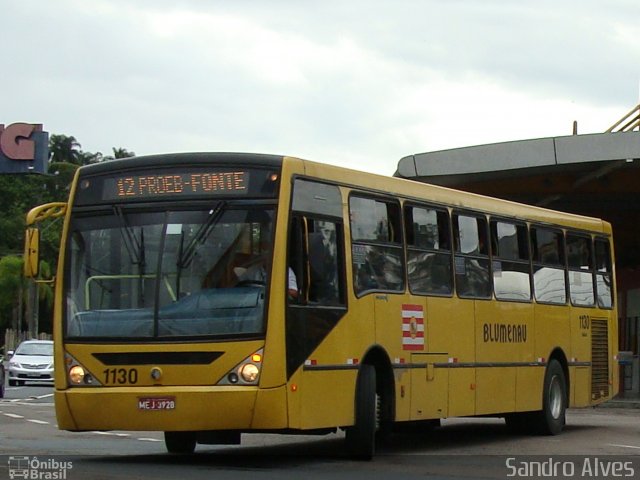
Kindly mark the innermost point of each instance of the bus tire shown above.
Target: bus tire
(520, 422)
(361, 437)
(180, 442)
(551, 418)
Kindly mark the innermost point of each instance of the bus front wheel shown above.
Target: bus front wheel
(360, 438)
(180, 442)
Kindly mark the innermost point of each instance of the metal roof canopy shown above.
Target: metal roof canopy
(595, 174)
(537, 153)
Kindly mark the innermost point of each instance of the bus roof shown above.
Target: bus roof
(380, 184)
(411, 189)
(195, 158)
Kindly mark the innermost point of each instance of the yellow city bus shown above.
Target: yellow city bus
(210, 295)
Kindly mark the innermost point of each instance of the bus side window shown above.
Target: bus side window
(295, 265)
(580, 262)
(324, 272)
(549, 283)
(511, 267)
(472, 256)
(376, 251)
(428, 251)
(315, 261)
(603, 273)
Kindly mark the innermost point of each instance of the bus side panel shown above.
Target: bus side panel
(581, 352)
(389, 333)
(614, 369)
(327, 398)
(271, 409)
(429, 387)
(64, 416)
(450, 330)
(528, 393)
(552, 330)
(503, 337)
(324, 391)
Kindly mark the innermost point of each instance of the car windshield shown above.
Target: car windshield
(44, 349)
(168, 273)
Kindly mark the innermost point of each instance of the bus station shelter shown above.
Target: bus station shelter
(596, 175)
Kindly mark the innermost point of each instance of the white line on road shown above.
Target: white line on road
(19, 402)
(143, 439)
(624, 446)
(113, 434)
(38, 397)
(39, 422)
(12, 415)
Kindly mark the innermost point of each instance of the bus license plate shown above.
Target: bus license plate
(156, 403)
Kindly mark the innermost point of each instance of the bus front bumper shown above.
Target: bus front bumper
(170, 409)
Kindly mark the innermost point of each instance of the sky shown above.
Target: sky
(357, 83)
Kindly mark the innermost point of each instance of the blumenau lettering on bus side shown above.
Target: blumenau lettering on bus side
(501, 333)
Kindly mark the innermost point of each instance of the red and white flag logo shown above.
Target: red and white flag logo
(412, 327)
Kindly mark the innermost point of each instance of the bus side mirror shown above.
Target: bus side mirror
(31, 253)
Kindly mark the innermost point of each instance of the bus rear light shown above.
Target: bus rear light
(246, 372)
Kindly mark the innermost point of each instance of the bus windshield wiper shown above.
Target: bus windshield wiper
(135, 248)
(186, 255)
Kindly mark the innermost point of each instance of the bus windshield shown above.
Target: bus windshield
(137, 273)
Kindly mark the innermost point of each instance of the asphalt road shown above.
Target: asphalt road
(461, 448)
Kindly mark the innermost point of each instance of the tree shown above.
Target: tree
(20, 193)
(63, 148)
(12, 292)
(120, 153)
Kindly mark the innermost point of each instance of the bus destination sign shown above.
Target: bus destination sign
(176, 184)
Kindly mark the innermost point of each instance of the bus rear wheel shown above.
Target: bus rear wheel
(554, 400)
(180, 442)
(551, 419)
(361, 437)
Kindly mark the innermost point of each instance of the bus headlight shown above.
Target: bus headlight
(246, 372)
(76, 374)
(249, 372)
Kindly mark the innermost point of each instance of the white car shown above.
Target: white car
(31, 362)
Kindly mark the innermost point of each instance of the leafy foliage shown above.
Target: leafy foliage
(19, 194)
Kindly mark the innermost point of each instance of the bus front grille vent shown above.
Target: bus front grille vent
(599, 359)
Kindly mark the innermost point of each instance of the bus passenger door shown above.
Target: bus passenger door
(316, 347)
